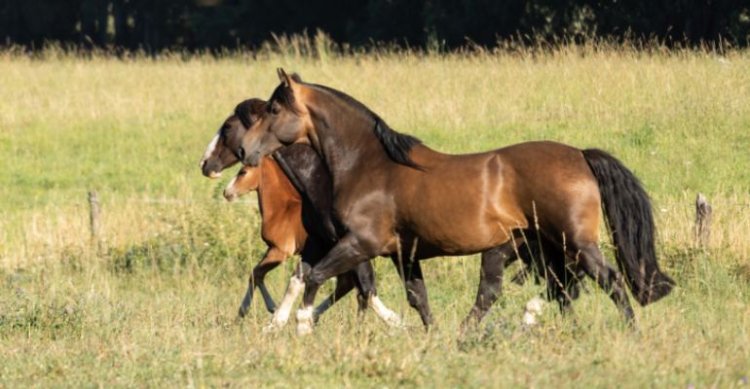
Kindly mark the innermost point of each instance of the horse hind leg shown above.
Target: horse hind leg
(562, 280)
(490, 282)
(295, 287)
(609, 279)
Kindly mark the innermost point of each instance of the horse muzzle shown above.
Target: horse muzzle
(230, 195)
(210, 169)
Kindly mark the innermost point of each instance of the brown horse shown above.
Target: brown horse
(390, 188)
(282, 208)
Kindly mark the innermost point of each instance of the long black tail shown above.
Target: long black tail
(627, 211)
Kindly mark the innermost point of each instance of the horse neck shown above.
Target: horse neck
(347, 143)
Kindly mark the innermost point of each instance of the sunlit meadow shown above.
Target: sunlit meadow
(153, 300)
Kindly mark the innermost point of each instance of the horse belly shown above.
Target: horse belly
(466, 222)
(461, 205)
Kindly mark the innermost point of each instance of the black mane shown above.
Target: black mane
(396, 144)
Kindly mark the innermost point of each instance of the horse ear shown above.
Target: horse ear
(284, 78)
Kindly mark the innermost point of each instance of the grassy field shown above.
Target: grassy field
(153, 302)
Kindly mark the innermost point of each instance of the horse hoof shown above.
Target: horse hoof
(272, 327)
(533, 309)
(394, 322)
(529, 319)
(304, 329)
(305, 321)
(535, 305)
(389, 317)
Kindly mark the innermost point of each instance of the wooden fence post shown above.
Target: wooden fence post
(703, 214)
(94, 215)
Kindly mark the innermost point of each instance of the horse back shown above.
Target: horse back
(471, 201)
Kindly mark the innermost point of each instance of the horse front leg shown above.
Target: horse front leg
(295, 287)
(363, 278)
(344, 256)
(271, 260)
(344, 285)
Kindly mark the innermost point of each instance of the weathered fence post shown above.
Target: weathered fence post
(703, 214)
(94, 215)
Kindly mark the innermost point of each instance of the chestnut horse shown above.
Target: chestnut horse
(282, 211)
(389, 188)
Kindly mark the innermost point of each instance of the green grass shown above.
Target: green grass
(154, 301)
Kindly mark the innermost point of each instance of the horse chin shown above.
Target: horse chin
(230, 196)
(214, 175)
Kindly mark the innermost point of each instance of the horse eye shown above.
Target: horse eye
(275, 109)
(241, 173)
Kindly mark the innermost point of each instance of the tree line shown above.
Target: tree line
(155, 25)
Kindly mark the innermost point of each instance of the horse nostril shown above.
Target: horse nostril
(241, 153)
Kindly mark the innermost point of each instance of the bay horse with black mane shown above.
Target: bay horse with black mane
(290, 222)
(287, 215)
(390, 189)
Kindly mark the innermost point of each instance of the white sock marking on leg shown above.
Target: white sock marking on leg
(305, 320)
(281, 316)
(390, 317)
(533, 309)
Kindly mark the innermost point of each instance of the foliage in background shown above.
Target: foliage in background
(438, 24)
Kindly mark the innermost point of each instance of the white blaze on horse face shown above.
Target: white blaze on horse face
(388, 316)
(210, 150)
(281, 315)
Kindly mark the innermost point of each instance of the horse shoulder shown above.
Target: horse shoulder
(281, 211)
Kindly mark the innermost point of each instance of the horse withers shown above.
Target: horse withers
(388, 185)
